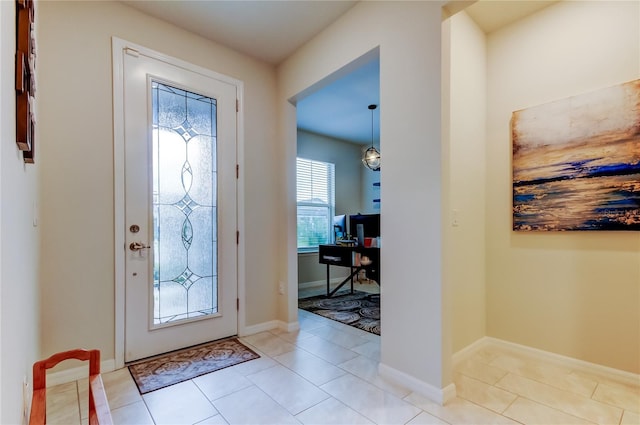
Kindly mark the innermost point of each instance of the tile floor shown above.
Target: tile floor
(326, 373)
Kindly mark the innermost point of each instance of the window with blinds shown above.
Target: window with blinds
(316, 203)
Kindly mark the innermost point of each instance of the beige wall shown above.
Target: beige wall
(576, 294)
(19, 240)
(467, 108)
(76, 158)
(415, 337)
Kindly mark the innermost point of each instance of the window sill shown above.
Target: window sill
(307, 253)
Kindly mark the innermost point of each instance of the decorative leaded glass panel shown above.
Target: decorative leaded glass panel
(184, 204)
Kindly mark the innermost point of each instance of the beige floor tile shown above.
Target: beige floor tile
(352, 330)
(556, 376)
(288, 389)
(483, 394)
(532, 413)
(331, 412)
(481, 371)
(514, 358)
(630, 418)
(370, 350)
(255, 365)
(119, 387)
(567, 402)
(221, 383)
(214, 420)
(326, 383)
(326, 350)
(625, 382)
(571, 382)
(252, 406)
(370, 401)
(292, 337)
(269, 343)
(627, 398)
(486, 355)
(62, 407)
(344, 327)
(83, 397)
(310, 321)
(371, 337)
(132, 414)
(182, 403)
(310, 367)
(367, 369)
(426, 419)
(69, 386)
(459, 411)
(339, 337)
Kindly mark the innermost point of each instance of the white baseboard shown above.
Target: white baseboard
(468, 351)
(570, 362)
(260, 327)
(267, 326)
(558, 359)
(70, 375)
(289, 327)
(438, 395)
(320, 283)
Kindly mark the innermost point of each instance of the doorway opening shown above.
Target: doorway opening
(336, 193)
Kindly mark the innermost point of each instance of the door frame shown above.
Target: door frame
(118, 45)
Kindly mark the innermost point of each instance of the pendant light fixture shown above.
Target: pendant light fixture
(371, 157)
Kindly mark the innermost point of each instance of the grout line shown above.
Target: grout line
(509, 417)
(510, 404)
(559, 410)
(523, 374)
(78, 398)
(594, 390)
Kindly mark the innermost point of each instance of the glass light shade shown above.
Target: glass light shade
(371, 159)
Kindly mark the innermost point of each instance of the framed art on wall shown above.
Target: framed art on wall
(25, 79)
(576, 162)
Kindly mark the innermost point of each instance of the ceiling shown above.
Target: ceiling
(271, 30)
(341, 109)
(268, 30)
(491, 15)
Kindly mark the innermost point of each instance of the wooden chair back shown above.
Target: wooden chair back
(99, 412)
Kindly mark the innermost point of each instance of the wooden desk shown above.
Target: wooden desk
(344, 256)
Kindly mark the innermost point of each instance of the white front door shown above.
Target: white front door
(180, 206)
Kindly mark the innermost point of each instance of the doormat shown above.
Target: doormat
(178, 366)
(360, 309)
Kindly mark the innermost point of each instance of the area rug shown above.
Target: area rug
(178, 366)
(359, 309)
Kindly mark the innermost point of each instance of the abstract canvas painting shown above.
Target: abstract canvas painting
(576, 162)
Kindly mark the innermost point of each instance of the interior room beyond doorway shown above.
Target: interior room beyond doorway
(335, 126)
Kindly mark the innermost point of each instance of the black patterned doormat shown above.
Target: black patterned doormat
(360, 309)
(182, 365)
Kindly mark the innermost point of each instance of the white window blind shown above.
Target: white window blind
(316, 203)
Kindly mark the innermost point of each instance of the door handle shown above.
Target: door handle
(137, 246)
